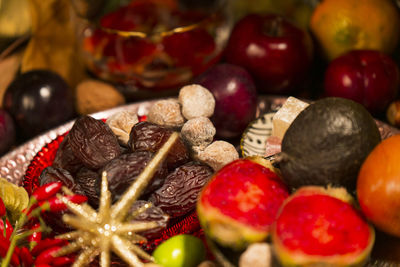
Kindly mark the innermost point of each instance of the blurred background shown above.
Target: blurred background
(63, 58)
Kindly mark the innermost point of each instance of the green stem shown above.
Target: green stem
(10, 251)
(14, 237)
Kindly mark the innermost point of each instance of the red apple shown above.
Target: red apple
(365, 76)
(277, 53)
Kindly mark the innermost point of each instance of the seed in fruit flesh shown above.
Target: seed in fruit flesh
(315, 228)
(327, 143)
(240, 203)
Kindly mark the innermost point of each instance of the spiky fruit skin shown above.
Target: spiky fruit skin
(240, 202)
(330, 231)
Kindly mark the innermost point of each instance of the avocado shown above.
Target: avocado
(327, 143)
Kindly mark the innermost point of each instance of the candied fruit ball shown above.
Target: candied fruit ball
(196, 101)
(121, 124)
(218, 154)
(198, 132)
(166, 112)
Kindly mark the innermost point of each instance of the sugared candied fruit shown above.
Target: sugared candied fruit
(218, 154)
(93, 142)
(196, 101)
(146, 136)
(124, 170)
(198, 132)
(121, 124)
(178, 195)
(166, 112)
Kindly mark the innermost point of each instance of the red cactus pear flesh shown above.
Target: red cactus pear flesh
(316, 227)
(240, 202)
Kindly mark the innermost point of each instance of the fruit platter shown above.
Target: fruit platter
(182, 133)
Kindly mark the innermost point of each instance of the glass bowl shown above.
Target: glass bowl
(188, 224)
(154, 45)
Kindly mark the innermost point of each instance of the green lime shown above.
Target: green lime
(180, 251)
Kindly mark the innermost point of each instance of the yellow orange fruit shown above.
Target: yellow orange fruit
(343, 25)
(378, 186)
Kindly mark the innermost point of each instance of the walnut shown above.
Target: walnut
(93, 96)
(166, 112)
(198, 132)
(196, 101)
(217, 154)
(121, 124)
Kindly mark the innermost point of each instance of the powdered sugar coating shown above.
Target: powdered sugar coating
(198, 132)
(217, 154)
(166, 112)
(196, 101)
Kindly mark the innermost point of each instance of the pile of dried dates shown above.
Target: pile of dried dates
(122, 146)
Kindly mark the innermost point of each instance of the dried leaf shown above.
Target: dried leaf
(8, 69)
(53, 45)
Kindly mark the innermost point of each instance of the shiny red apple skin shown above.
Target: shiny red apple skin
(275, 52)
(368, 77)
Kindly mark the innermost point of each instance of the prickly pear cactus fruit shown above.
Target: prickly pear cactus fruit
(316, 228)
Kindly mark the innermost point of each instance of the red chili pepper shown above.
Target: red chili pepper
(55, 204)
(46, 191)
(9, 228)
(2, 208)
(42, 265)
(62, 261)
(46, 257)
(34, 238)
(26, 257)
(47, 243)
(4, 245)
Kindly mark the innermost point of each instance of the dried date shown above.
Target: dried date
(86, 178)
(146, 136)
(179, 193)
(152, 213)
(54, 174)
(124, 170)
(65, 158)
(93, 142)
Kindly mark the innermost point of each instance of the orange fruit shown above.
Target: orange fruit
(343, 25)
(378, 186)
